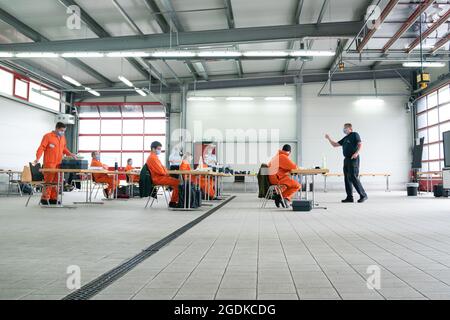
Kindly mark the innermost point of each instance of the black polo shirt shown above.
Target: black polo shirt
(350, 144)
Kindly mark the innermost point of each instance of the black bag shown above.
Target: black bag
(74, 164)
(193, 194)
(123, 192)
(36, 174)
(302, 205)
(438, 190)
(26, 188)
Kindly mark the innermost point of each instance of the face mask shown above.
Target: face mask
(97, 157)
(60, 133)
(158, 152)
(345, 130)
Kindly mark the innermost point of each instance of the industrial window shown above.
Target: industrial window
(29, 90)
(121, 131)
(433, 119)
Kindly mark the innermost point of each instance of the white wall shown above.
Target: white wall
(385, 130)
(21, 131)
(209, 120)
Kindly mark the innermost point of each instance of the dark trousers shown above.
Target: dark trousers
(351, 177)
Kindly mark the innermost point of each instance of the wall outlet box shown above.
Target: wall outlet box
(65, 118)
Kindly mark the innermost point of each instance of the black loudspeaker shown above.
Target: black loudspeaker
(302, 205)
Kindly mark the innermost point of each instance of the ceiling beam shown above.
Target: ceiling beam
(422, 7)
(440, 43)
(275, 79)
(386, 11)
(296, 20)
(39, 38)
(168, 6)
(195, 38)
(166, 28)
(429, 31)
(102, 33)
(232, 25)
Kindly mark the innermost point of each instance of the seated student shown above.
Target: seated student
(279, 169)
(129, 167)
(207, 185)
(103, 177)
(159, 172)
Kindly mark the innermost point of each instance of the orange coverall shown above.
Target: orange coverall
(103, 177)
(133, 178)
(161, 177)
(207, 186)
(279, 168)
(53, 147)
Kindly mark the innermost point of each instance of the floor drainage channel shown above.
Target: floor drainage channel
(95, 286)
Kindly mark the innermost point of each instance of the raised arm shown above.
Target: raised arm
(332, 142)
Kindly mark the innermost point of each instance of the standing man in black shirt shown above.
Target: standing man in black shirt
(351, 146)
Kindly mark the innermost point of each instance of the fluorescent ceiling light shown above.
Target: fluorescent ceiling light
(82, 55)
(126, 81)
(6, 55)
(239, 99)
(224, 53)
(141, 92)
(267, 53)
(312, 53)
(370, 102)
(173, 54)
(200, 99)
(427, 64)
(37, 55)
(72, 81)
(93, 92)
(127, 54)
(278, 98)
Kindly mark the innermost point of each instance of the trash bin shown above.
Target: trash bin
(412, 189)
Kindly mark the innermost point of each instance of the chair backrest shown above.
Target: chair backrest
(36, 174)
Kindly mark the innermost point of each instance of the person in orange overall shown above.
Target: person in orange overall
(128, 168)
(103, 177)
(160, 174)
(279, 169)
(53, 147)
(207, 184)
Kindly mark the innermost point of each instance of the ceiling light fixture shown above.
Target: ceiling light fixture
(141, 92)
(37, 55)
(219, 54)
(93, 92)
(278, 98)
(127, 54)
(267, 53)
(6, 55)
(126, 81)
(71, 80)
(426, 64)
(240, 99)
(312, 53)
(174, 54)
(200, 99)
(82, 55)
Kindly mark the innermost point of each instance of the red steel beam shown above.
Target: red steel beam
(386, 11)
(440, 43)
(413, 18)
(430, 30)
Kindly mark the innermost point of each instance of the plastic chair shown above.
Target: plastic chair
(157, 188)
(273, 189)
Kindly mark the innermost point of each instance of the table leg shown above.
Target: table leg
(324, 183)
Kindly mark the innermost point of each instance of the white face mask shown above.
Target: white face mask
(158, 152)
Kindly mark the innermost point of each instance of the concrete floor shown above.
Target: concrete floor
(239, 252)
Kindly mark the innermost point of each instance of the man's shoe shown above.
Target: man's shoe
(106, 193)
(277, 200)
(362, 199)
(173, 205)
(347, 200)
(45, 202)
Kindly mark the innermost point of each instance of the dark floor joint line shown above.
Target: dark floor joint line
(95, 286)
